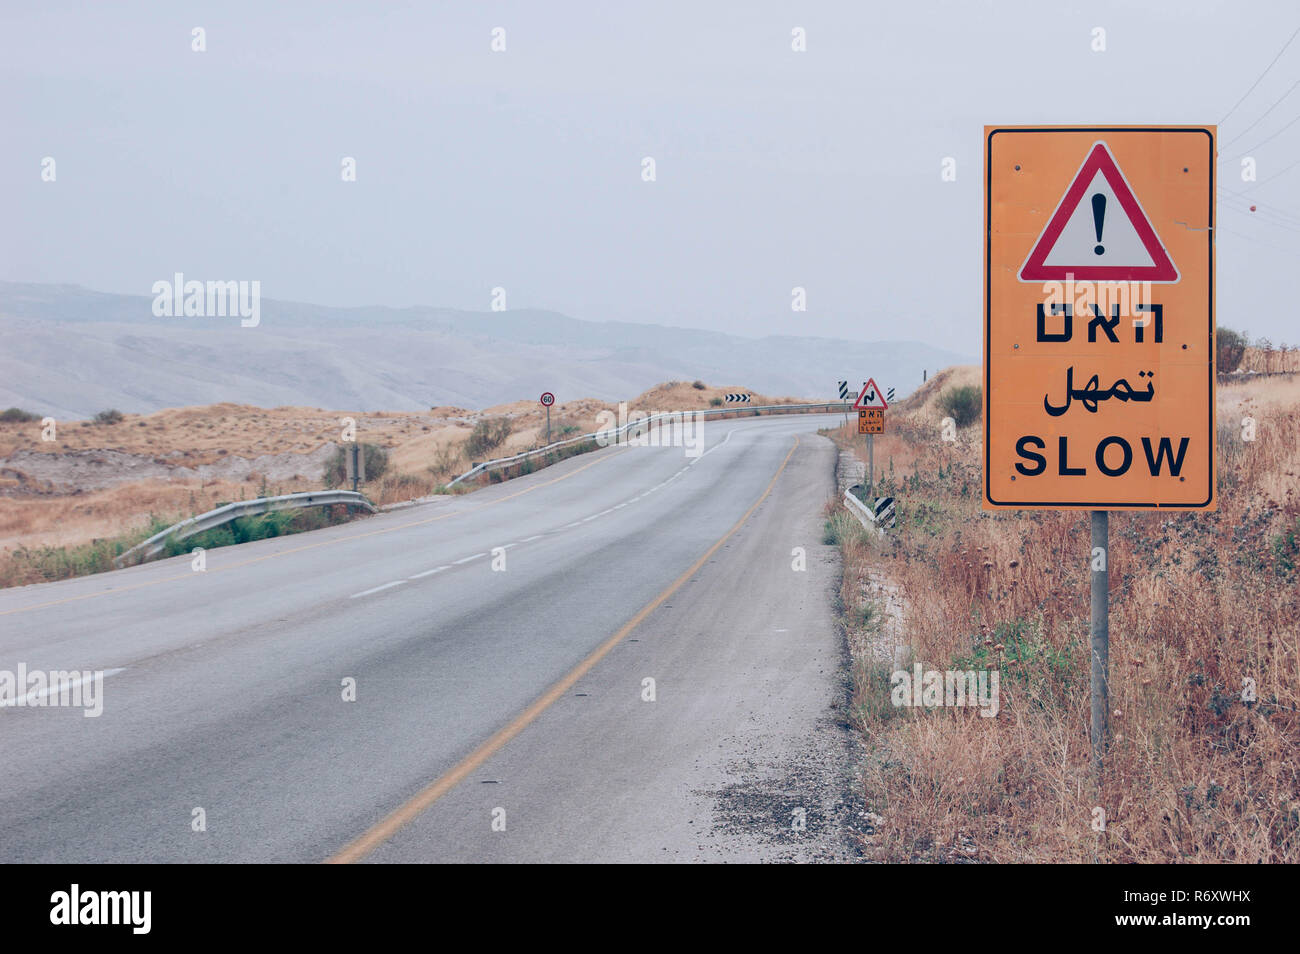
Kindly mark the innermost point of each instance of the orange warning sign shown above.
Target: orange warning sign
(1099, 317)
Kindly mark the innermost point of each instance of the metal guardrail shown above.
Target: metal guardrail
(148, 549)
(866, 516)
(637, 426)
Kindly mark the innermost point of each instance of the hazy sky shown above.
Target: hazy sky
(522, 169)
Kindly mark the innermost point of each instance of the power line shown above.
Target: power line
(1279, 248)
(1278, 173)
(1269, 139)
(1268, 207)
(1264, 216)
(1261, 76)
(1288, 227)
(1262, 116)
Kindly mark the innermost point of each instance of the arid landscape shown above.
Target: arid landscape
(110, 481)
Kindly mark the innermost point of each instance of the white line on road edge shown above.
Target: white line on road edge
(467, 559)
(376, 589)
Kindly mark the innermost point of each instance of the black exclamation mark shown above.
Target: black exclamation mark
(1098, 217)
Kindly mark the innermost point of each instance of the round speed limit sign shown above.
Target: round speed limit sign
(548, 399)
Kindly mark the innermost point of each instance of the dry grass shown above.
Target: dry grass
(1199, 603)
(1271, 360)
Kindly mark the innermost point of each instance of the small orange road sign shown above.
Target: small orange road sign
(1099, 364)
(871, 421)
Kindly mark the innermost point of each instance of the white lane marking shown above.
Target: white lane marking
(58, 687)
(567, 526)
(436, 569)
(377, 589)
(714, 447)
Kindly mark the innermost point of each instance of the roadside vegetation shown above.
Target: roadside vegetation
(25, 565)
(336, 471)
(1203, 605)
(16, 415)
(961, 403)
(487, 435)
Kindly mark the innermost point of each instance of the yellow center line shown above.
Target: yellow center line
(408, 812)
(309, 546)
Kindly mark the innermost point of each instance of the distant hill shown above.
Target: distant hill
(69, 352)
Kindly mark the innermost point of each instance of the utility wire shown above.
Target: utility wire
(1269, 139)
(1279, 248)
(1277, 225)
(1261, 77)
(1267, 207)
(1276, 174)
(1262, 116)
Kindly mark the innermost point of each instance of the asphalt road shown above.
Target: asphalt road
(502, 710)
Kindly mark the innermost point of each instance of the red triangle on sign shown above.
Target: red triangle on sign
(870, 397)
(1089, 238)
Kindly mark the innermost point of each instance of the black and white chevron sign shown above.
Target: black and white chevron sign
(737, 398)
(845, 393)
(885, 516)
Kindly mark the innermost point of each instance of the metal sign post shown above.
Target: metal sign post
(356, 465)
(871, 466)
(547, 400)
(1099, 633)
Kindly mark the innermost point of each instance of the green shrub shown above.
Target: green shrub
(715, 402)
(962, 404)
(1286, 551)
(336, 469)
(1229, 347)
(698, 385)
(257, 527)
(111, 416)
(16, 415)
(487, 435)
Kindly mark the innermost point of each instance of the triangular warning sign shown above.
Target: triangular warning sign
(870, 397)
(1099, 232)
